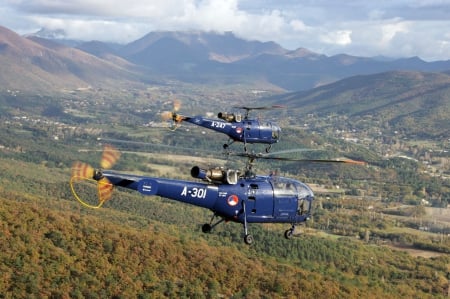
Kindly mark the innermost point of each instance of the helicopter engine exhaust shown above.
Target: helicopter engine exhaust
(218, 175)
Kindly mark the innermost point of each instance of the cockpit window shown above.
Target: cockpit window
(303, 190)
(275, 132)
(296, 191)
(284, 187)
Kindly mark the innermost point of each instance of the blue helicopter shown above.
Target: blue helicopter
(238, 127)
(231, 195)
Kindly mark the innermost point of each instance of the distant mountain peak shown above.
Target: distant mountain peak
(191, 56)
(49, 33)
(302, 52)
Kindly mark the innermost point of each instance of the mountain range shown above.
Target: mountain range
(396, 90)
(34, 62)
(415, 103)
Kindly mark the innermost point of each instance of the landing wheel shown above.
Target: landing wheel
(268, 148)
(248, 239)
(206, 228)
(288, 234)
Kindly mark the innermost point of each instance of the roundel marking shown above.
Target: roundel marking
(232, 200)
(239, 130)
(147, 186)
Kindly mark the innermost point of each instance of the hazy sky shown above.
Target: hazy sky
(395, 28)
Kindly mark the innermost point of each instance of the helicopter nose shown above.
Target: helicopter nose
(276, 132)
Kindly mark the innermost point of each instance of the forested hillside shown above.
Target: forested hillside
(52, 247)
(413, 103)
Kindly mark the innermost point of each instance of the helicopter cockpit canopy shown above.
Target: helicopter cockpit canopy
(285, 188)
(230, 117)
(288, 187)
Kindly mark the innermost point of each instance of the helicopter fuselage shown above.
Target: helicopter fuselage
(246, 130)
(259, 199)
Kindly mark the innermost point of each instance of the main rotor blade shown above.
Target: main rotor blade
(156, 145)
(253, 156)
(259, 108)
(292, 150)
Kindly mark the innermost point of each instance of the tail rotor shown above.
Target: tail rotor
(173, 116)
(84, 175)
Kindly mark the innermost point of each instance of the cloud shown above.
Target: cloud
(338, 37)
(363, 28)
(210, 15)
